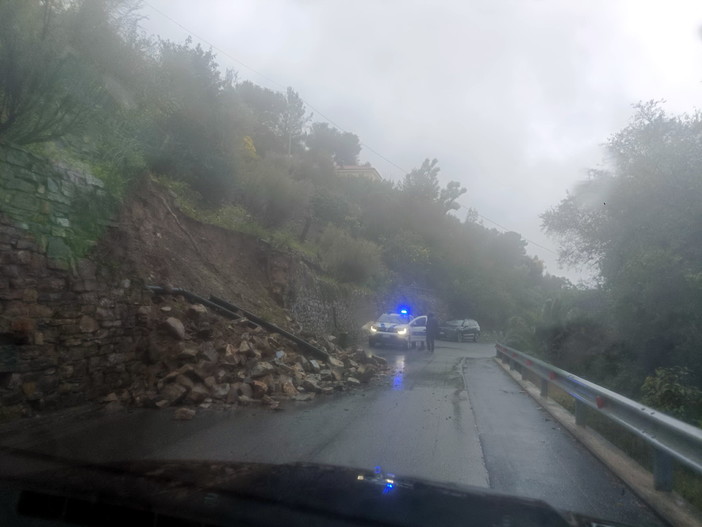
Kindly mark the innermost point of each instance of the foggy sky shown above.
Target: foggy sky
(514, 97)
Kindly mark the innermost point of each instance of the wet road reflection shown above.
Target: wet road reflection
(398, 378)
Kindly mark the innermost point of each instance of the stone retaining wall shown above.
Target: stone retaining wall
(67, 331)
(324, 307)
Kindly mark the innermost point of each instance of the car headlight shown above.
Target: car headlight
(373, 329)
(402, 331)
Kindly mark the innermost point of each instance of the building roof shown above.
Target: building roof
(366, 171)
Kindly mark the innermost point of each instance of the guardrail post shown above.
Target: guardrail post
(523, 371)
(580, 413)
(544, 388)
(662, 470)
(672, 441)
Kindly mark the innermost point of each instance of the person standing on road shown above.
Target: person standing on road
(432, 331)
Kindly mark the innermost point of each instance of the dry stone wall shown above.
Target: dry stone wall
(324, 307)
(318, 305)
(67, 327)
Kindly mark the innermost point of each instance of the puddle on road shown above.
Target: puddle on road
(406, 373)
(398, 378)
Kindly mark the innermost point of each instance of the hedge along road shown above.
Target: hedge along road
(452, 416)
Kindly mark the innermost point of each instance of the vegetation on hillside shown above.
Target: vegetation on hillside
(79, 81)
(639, 223)
(245, 156)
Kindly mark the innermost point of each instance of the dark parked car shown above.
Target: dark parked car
(460, 330)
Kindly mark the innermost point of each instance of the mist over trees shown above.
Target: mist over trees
(45, 89)
(80, 76)
(639, 223)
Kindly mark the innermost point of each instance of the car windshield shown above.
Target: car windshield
(393, 319)
(205, 206)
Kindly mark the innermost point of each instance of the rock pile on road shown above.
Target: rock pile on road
(196, 358)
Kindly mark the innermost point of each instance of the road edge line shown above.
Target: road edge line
(462, 369)
(672, 509)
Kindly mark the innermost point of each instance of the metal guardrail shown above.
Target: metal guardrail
(318, 353)
(230, 310)
(195, 299)
(671, 439)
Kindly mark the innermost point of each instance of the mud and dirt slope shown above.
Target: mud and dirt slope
(156, 242)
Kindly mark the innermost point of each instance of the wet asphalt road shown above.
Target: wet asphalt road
(453, 416)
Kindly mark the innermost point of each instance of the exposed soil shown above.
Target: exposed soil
(153, 240)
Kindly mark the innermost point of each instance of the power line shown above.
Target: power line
(511, 230)
(327, 119)
(220, 50)
(273, 82)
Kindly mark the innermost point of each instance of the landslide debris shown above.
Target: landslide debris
(195, 358)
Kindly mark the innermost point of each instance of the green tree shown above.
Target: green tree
(193, 129)
(268, 117)
(639, 225)
(448, 196)
(421, 186)
(294, 120)
(350, 259)
(668, 390)
(326, 140)
(105, 35)
(45, 92)
(271, 195)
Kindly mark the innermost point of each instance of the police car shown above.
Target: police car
(398, 329)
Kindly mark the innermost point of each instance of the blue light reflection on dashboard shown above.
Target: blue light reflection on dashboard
(386, 481)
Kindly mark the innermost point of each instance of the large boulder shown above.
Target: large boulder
(220, 391)
(173, 393)
(259, 388)
(311, 386)
(198, 394)
(261, 369)
(175, 328)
